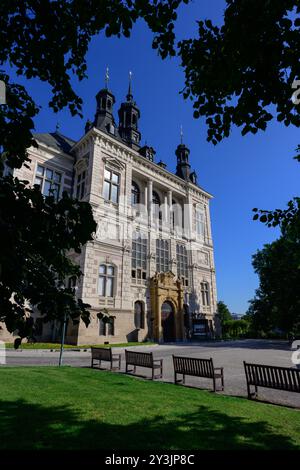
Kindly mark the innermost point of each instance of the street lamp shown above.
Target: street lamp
(64, 326)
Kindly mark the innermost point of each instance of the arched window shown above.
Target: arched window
(135, 194)
(139, 315)
(106, 280)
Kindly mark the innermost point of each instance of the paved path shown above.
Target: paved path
(230, 355)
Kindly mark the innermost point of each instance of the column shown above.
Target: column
(149, 192)
(169, 196)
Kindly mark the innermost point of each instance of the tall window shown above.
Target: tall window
(106, 280)
(48, 180)
(111, 187)
(139, 258)
(111, 326)
(162, 256)
(139, 315)
(135, 194)
(80, 189)
(107, 327)
(102, 327)
(200, 222)
(156, 207)
(205, 293)
(182, 264)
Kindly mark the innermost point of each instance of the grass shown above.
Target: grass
(69, 408)
(70, 346)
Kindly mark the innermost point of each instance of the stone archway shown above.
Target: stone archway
(166, 289)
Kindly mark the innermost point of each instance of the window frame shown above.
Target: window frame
(102, 292)
(45, 179)
(162, 255)
(135, 193)
(205, 293)
(80, 184)
(200, 222)
(182, 264)
(111, 184)
(139, 258)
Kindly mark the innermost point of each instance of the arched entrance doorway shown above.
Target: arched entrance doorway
(168, 321)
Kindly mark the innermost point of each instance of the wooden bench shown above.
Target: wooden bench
(105, 354)
(142, 359)
(280, 378)
(197, 367)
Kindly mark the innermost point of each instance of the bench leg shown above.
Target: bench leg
(222, 381)
(252, 394)
(183, 378)
(92, 363)
(153, 374)
(214, 384)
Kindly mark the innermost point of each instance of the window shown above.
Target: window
(102, 327)
(182, 264)
(162, 256)
(111, 186)
(139, 258)
(106, 280)
(80, 190)
(205, 293)
(49, 181)
(135, 194)
(156, 208)
(139, 315)
(200, 222)
(111, 326)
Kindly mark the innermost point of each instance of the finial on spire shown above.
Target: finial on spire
(181, 135)
(106, 78)
(129, 95)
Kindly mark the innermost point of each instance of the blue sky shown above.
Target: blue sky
(241, 172)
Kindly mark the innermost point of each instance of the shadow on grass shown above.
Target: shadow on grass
(29, 426)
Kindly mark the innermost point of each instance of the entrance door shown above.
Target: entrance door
(168, 321)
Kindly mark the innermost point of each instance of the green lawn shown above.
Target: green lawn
(69, 408)
(69, 346)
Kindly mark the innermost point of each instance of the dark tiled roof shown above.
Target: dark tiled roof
(55, 140)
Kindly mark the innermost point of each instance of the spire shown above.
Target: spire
(106, 78)
(183, 168)
(129, 115)
(129, 94)
(104, 119)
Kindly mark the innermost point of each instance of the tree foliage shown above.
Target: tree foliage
(277, 301)
(223, 312)
(241, 73)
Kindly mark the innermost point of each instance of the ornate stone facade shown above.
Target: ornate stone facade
(151, 261)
